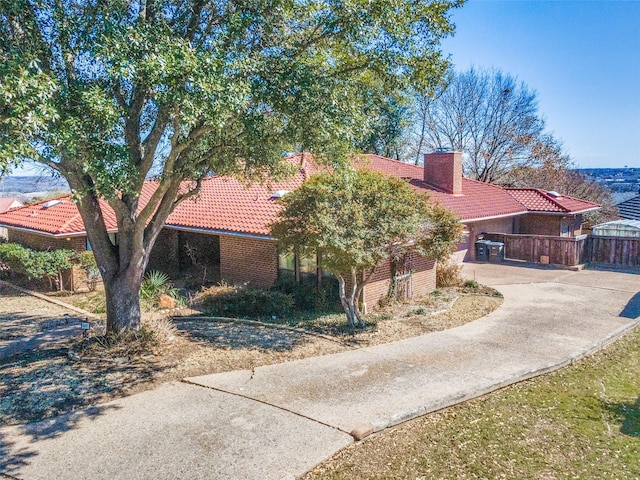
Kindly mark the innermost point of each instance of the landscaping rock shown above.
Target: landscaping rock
(167, 303)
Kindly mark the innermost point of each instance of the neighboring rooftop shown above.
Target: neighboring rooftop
(7, 204)
(617, 228)
(630, 209)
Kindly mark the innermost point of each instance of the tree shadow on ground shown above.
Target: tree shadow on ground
(43, 384)
(17, 325)
(16, 448)
(239, 336)
(632, 308)
(628, 414)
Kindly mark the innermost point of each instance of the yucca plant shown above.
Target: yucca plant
(154, 285)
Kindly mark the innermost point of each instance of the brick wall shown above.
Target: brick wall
(246, 259)
(532, 224)
(46, 242)
(424, 276)
(423, 280)
(378, 287)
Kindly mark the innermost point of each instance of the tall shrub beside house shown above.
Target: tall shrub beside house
(356, 219)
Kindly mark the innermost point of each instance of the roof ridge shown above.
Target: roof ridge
(485, 183)
(70, 221)
(630, 200)
(406, 164)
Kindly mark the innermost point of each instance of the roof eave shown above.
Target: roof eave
(213, 231)
(493, 217)
(82, 233)
(572, 212)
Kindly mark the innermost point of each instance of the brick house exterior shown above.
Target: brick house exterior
(249, 260)
(226, 227)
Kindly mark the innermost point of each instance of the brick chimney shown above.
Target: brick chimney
(443, 170)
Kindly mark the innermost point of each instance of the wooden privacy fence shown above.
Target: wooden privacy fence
(615, 251)
(568, 251)
(619, 252)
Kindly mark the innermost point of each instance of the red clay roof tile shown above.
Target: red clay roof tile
(538, 200)
(230, 205)
(477, 201)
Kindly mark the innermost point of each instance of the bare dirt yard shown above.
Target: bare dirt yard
(63, 376)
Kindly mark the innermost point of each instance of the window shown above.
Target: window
(302, 269)
(287, 265)
(308, 270)
(113, 237)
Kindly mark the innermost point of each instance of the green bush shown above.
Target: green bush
(319, 298)
(156, 284)
(33, 264)
(471, 284)
(247, 302)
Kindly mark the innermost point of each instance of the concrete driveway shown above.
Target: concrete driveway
(279, 421)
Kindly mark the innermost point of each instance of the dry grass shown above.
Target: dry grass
(448, 273)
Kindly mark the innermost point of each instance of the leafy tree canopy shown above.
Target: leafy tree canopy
(108, 93)
(356, 219)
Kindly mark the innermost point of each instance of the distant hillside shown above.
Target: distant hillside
(618, 180)
(27, 188)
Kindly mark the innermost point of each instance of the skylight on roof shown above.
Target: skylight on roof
(279, 193)
(51, 203)
(553, 193)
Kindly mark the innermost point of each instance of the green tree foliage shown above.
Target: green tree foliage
(33, 264)
(108, 93)
(356, 219)
(391, 121)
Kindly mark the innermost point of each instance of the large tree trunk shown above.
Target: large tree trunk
(123, 301)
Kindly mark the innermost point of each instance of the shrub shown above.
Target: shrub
(319, 298)
(471, 284)
(246, 302)
(448, 273)
(156, 284)
(33, 264)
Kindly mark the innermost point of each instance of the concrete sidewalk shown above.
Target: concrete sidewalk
(278, 421)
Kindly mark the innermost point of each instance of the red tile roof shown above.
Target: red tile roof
(477, 201)
(226, 204)
(61, 217)
(538, 200)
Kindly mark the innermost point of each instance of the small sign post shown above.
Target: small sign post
(85, 326)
